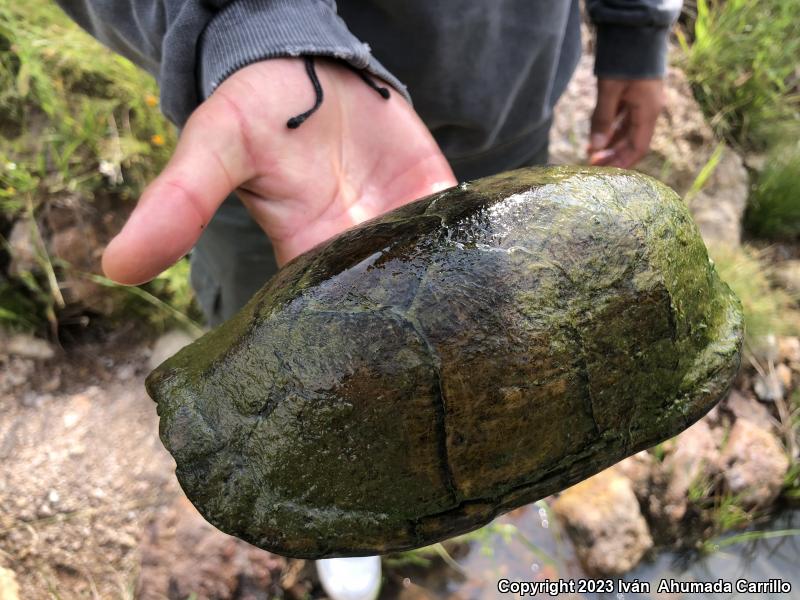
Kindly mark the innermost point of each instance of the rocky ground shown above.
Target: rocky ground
(722, 472)
(89, 505)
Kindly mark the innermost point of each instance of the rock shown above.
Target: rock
(53, 382)
(713, 418)
(28, 346)
(693, 461)
(80, 247)
(766, 349)
(639, 470)
(602, 517)
(743, 407)
(15, 372)
(34, 399)
(784, 375)
(769, 387)
(125, 372)
(167, 345)
(76, 244)
(682, 145)
(756, 161)
(44, 511)
(753, 464)
(789, 350)
(9, 589)
(718, 208)
(77, 407)
(787, 275)
(182, 556)
(22, 249)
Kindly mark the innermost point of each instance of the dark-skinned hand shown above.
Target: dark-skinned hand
(624, 120)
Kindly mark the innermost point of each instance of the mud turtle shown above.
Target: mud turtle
(470, 352)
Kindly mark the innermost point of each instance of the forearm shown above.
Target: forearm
(632, 36)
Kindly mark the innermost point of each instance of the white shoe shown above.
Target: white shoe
(356, 578)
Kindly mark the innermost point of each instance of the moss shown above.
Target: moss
(773, 210)
(471, 352)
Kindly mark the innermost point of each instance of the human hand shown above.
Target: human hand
(624, 120)
(355, 158)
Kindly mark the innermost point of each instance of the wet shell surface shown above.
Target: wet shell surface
(470, 352)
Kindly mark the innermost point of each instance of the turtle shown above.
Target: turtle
(465, 354)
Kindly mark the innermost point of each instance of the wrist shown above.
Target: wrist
(626, 52)
(249, 31)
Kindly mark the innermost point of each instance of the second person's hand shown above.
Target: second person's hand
(624, 120)
(357, 157)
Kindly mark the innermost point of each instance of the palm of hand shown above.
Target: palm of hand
(357, 157)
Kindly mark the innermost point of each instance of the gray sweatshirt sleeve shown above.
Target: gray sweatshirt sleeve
(632, 36)
(191, 46)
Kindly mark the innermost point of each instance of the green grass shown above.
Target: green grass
(791, 487)
(773, 210)
(147, 303)
(68, 106)
(728, 514)
(767, 309)
(742, 66)
(749, 536)
(76, 121)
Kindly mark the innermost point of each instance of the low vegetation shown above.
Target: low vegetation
(78, 124)
(767, 309)
(742, 63)
(774, 208)
(74, 116)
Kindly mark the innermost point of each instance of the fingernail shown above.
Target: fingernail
(598, 140)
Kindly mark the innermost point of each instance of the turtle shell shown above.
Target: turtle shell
(470, 352)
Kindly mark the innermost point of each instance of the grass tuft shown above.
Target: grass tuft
(773, 210)
(74, 116)
(77, 122)
(767, 309)
(741, 64)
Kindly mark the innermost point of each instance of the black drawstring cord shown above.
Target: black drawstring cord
(295, 122)
(384, 92)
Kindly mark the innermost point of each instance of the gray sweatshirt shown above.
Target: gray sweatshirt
(483, 75)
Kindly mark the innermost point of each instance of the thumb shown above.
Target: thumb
(209, 162)
(609, 93)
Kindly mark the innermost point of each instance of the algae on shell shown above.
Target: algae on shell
(467, 353)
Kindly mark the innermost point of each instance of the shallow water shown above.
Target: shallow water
(756, 560)
(527, 546)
